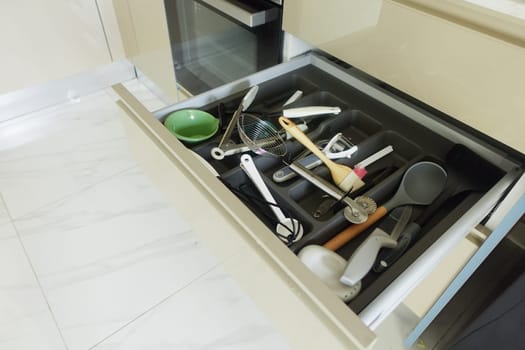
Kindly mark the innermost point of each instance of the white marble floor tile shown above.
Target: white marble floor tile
(25, 320)
(55, 152)
(109, 253)
(211, 313)
(4, 216)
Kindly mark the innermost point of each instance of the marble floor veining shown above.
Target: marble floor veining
(91, 254)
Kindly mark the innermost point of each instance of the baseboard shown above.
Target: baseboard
(20, 102)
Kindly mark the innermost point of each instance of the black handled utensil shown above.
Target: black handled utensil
(467, 172)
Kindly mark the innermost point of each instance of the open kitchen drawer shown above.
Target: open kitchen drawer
(240, 233)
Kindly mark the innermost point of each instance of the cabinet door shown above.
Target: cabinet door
(49, 40)
(453, 58)
(145, 37)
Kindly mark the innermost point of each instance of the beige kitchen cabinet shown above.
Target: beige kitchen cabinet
(439, 64)
(144, 31)
(446, 60)
(49, 40)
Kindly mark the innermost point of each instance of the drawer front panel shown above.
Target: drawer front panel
(248, 250)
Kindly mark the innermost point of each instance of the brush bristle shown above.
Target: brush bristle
(351, 181)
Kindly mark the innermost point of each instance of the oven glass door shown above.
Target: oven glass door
(214, 42)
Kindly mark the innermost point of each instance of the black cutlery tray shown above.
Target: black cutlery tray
(367, 123)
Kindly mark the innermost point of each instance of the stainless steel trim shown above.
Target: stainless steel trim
(248, 18)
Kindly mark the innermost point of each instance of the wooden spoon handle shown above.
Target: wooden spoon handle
(290, 126)
(348, 234)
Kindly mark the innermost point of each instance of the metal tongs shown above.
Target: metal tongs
(226, 147)
(355, 212)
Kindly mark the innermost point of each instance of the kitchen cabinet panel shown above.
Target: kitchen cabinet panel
(146, 42)
(468, 74)
(111, 29)
(49, 40)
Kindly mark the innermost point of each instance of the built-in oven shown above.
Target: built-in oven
(214, 42)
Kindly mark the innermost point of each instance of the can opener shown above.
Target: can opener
(363, 259)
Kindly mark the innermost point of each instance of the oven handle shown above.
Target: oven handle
(251, 19)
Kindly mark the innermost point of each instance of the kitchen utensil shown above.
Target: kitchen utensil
(328, 266)
(260, 136)
(231, 149)
(421, 184)
(287, 229)
(295, 96)
(301, 112)
(333, 151)
(353, 212)
(225, 144)
(360, 168)
(365, 255)
(327, 203)
(342, 175)
(298, 112)
(337, 147)
(192, 125)
(467, 172)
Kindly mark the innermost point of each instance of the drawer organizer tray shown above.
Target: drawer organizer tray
(365, 122)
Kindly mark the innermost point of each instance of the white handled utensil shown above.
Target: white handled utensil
(338, 147)
(295, 96)
(360, 168)
(301, 112)
(287, 227)
(328, 267)
(363, 259)
(343, 176)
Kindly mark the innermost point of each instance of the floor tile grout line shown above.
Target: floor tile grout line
(156, 305)
(72, 194)
(34, 273)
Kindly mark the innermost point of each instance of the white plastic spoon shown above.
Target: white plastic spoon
(286, 226)
(328, 266)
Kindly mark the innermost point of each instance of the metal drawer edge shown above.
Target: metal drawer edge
(399, 289)
(250, 19)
